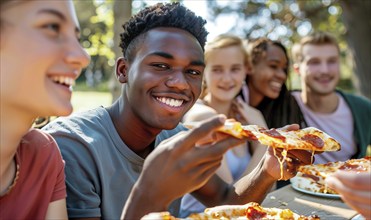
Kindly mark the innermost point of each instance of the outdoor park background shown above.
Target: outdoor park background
(284, 20)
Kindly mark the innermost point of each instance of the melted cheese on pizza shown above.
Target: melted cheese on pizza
(252, 211)
(249, 211)
(317, 173)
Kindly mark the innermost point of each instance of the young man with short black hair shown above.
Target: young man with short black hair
(135, 154)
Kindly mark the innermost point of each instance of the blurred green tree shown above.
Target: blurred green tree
(121, 13)
(349, 21)
(96, 22)
(288, 20)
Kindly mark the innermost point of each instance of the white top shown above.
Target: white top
(338, 124)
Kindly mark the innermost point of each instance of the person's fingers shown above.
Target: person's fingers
(203, 174)
(363, 209)
(222, 146)
(301, 156)
(295, 157)
(353, 179)
(350, 194)
(292, 165)
(212, 138)
(177, 137)
(239, 99)
(209, 166)
(208, 173)
(291, 162)
(217, 149)
(200, 130)
(292, 127)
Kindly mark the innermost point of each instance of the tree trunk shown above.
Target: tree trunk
(357, 19)
(121, 13)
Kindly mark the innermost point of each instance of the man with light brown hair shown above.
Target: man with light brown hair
(344, 116)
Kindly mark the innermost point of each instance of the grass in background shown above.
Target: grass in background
(84, 100)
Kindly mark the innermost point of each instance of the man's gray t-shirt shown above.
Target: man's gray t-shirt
(100, 169)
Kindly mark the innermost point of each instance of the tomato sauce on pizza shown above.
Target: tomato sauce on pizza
(317, 173)
(249, 211)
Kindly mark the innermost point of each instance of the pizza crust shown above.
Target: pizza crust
(317, 173)
(250, 210)
(310, 138)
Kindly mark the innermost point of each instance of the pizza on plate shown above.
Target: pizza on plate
(249, 211)
(316, 174)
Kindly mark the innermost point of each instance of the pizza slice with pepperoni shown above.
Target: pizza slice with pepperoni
(316, 174)
(311, 139)
(249, 211)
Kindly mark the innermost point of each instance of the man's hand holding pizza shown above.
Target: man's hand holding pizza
(282, 164)
(187, 163)
(179, 165)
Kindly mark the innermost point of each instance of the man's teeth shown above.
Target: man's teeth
(63, 80)
(276, 84)
(170, 102)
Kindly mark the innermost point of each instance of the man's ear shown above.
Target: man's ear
(121, 70)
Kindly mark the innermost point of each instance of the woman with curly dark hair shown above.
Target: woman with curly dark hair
(266, 82)
(266, 85)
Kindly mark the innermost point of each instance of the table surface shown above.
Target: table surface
(306, 204)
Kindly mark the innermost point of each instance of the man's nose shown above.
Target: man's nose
(177, 80)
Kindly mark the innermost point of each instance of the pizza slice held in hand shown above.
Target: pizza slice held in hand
(311, 139)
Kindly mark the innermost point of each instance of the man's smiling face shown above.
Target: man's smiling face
(164, 79)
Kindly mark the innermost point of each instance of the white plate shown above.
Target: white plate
(304, 185)
(358, 217)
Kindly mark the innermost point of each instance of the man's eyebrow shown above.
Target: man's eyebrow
(54, 12)
(198, 63)
(162, 54)
(169, 56)
(59, 15)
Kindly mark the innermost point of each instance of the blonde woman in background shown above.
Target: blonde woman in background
(40, 59)
(226, 66)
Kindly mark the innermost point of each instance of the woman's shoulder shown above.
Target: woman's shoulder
(38, 136)
(199, 112)
(36, 141)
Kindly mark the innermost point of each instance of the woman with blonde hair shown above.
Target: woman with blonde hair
(40, 59)
(226, 67)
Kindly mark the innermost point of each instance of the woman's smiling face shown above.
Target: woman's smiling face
(268, 74)
(40, 55)
(225, 72)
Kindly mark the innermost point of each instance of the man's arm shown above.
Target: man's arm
(176, 167)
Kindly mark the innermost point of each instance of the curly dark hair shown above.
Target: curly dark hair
(161, 15)
(284, 109)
